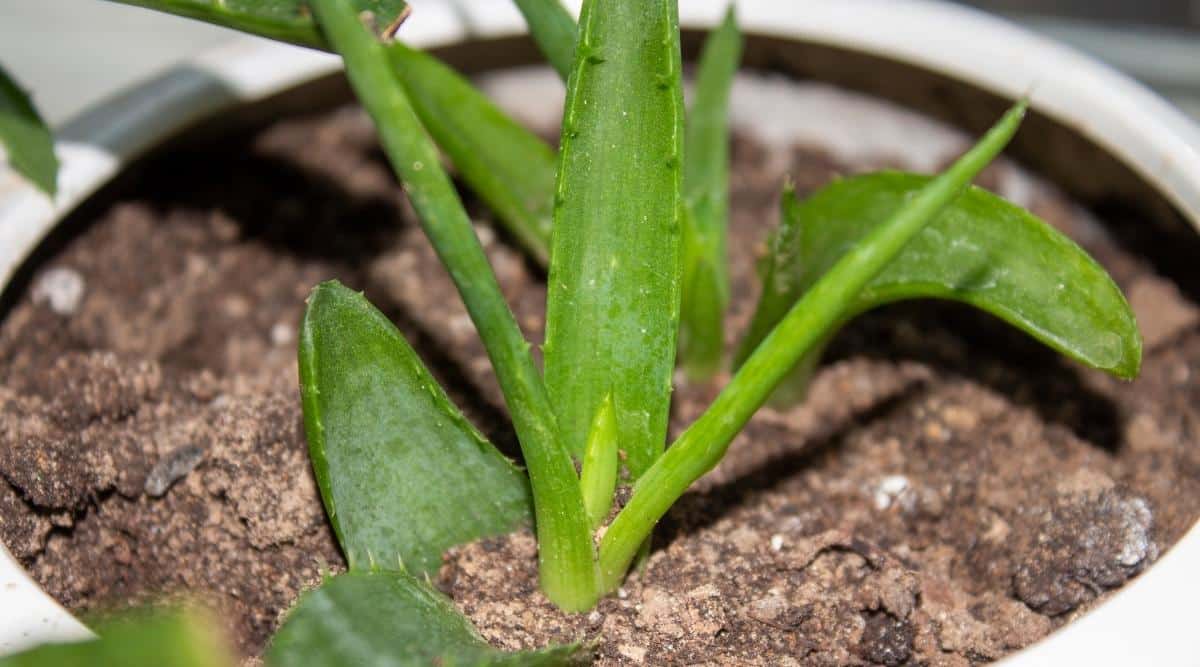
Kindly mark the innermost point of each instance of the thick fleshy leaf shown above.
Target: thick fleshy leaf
(706, 195)
(614, 283)
(25, 138)
(389, 618)
(284, 20)
(553, 30)
(508, 166)
(145, 638)
(982, 250)
(403, 474)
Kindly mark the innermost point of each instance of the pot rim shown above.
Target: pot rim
(1144, 623)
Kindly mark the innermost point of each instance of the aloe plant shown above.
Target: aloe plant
(630, 216)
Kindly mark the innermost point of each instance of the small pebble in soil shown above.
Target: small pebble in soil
(172, 468)
(888, 490)
(282, 334)
(1086, 543)
(61, 288)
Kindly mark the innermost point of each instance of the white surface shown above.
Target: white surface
(27, 615)
(1147, 623)
(74, 53)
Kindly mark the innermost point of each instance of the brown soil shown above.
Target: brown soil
(949, 492)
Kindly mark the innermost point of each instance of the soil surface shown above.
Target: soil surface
(949, 492)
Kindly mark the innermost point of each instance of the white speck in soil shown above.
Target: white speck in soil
(61, 288)
(888, 490)
(282, 334)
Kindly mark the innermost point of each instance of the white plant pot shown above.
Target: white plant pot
(1149, 622)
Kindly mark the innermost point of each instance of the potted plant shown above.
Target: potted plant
(602, 423)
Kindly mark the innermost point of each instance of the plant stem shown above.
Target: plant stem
(566, 553)
(705, 442)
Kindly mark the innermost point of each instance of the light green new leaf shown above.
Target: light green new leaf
(554, 31)
(565, 549)
(284, 20)
(614, 283)
(982, 250)
(403, 474)
(25, 137)
(145, 638)
(706, 195)
(389, 618)
(510, 168)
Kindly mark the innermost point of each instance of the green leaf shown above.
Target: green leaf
(554, 31)
(144, 638)
(403, 474)
(614, 283)
(706, 195)
(284, 20)
(981, 250)
(25, 137)
(805, 326)
(389, 618)
(565, 550)
(510, 168)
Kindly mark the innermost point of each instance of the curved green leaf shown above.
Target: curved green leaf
(510, 168)
(389, 618)
(614, 283)
(284, 20)
(982, 250)
(403, 474)
(143, 638)
(554, 31)
(25, 137)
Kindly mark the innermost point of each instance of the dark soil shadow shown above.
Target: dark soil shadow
(958, 340)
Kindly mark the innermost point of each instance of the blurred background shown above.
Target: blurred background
(74, 52)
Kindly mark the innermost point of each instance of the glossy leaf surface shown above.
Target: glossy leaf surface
(388, 618)
(614, 283)
(403, 474)
(981, 250)
(25, 138)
